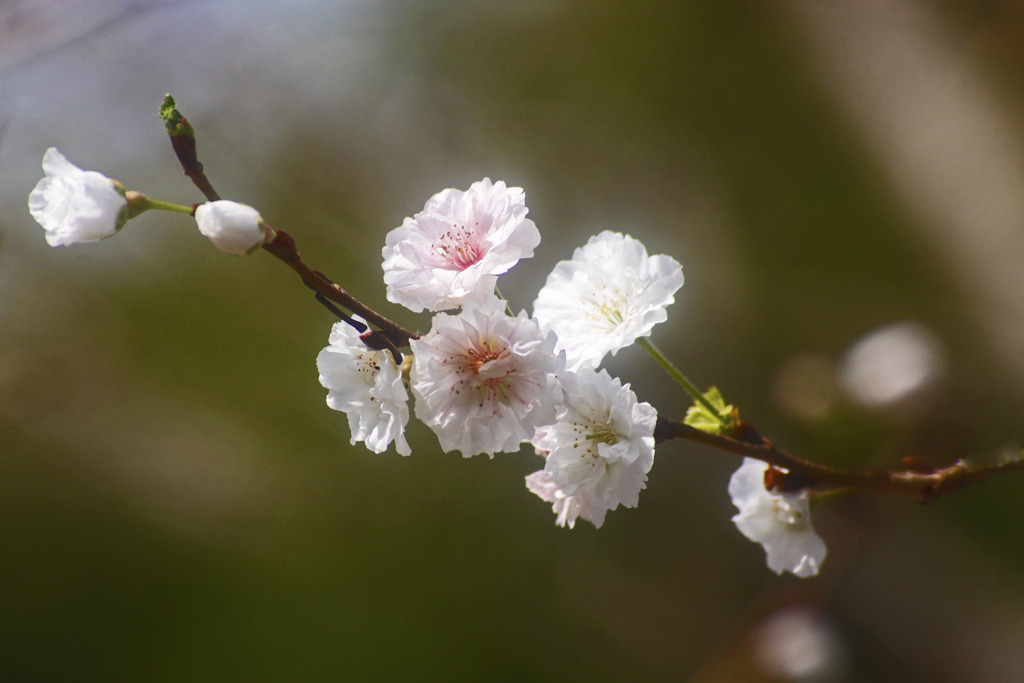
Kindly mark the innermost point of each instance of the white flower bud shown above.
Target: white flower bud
(232, 227)
(74, 205)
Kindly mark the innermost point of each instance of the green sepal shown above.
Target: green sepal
(176, 123)
(726, 422)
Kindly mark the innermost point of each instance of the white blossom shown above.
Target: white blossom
(232, 227)
(599, 449)
(484, 380)
(74, 205)
(610, 293)
(453, 251)
(780, 522)
(566, 508)
(366, 385)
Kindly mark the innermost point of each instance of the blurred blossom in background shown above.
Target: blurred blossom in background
(178, 502)
(891, 365)
(797, 644)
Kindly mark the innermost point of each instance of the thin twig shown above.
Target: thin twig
(803, 474)
(183, 140)
(279, 243)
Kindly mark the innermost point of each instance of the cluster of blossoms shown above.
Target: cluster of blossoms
(485, 380)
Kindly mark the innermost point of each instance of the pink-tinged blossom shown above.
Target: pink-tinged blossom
(780, 522)
(610, 293)
(74, 205)
(452, 252)
(367, 386)
(599, 449)
(483, 380)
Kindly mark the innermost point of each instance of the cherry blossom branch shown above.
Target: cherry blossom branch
(919, 479)
(788, 473)
(281, 245)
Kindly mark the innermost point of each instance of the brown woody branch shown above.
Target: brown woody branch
(925, 482)
(280, 244)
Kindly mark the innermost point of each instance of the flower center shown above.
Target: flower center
(367, 366)
(790, 514)
(608, 307)
(459, 247)
(484, 360)
(488, 369)
(613, 311)
(603, 435)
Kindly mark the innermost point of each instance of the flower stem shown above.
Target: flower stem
(508, 308)
(139, 203)
(648, 346)
(168, 206)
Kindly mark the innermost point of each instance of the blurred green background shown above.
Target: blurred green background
(178, 503)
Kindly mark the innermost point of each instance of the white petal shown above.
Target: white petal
(483, 380)
(367, 386)
(601, 446)
(780, 522)
(452, 252)
(74, 205)
(232, 227)
(607, 296)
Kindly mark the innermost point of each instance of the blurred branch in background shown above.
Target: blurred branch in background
(33, 30)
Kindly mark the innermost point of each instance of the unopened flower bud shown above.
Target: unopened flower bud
(232, 227)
